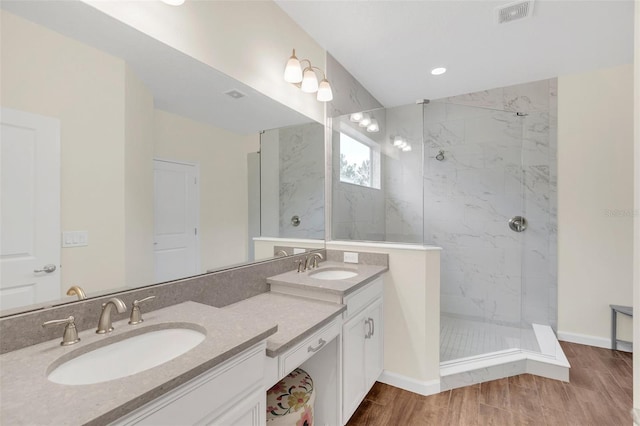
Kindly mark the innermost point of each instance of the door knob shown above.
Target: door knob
(46, 268)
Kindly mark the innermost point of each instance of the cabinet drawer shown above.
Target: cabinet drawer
(293, 358)
(208, 395)
(357, 301)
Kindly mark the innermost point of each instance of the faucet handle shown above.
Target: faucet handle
(136, 315)
(70, 335)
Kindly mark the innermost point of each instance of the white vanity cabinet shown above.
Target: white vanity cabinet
(232, 393)
(362, 345)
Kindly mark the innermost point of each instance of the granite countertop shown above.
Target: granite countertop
(297, 317)
(29, 398)
(366, 274)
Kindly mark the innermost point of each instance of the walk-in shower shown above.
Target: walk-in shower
(476, 176)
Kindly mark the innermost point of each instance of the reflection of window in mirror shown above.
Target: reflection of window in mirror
(359, 163)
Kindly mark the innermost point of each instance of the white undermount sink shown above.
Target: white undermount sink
(127, 357)
(333, 274)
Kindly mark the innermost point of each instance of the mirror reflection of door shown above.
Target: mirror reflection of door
(29, 209)
(176, 221)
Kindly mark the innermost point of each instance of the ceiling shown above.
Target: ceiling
(179, 83)
(391, 46)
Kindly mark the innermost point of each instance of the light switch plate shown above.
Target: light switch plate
(350, 257)
(299, 251)
(75, 238)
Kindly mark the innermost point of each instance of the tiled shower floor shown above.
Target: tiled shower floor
(460, 338)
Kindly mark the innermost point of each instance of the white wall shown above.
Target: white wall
(411, 313)
(46, 73)
(222, 157)
(595, 202)
(138, 188)
(247, 40)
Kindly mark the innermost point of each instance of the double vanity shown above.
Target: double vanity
(192, 363)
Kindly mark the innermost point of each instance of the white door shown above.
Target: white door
(29, 209)
(176, 207)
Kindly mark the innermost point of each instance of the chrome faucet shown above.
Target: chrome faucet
(312, 261)
(281, 253)
(104, 324)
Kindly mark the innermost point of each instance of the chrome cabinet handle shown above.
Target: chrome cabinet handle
(321, 343)
(369, 332)
(373, 327)
(46, 268)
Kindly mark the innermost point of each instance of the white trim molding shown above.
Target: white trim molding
(584, 339)
(599, 342)
(426, 388)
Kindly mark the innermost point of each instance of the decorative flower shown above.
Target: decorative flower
(279, 387)
(297, 400)
(307, 417)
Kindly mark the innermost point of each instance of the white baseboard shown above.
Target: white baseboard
(425, 388)
(584, 339)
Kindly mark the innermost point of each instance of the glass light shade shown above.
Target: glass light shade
(324, 91)
(366, 120)
(407, 148)
(373, 127)
(309, 81)
(397, 141)
(403, 145)
(438, 71)
(293, 70)
(355, 117)
(173, 2)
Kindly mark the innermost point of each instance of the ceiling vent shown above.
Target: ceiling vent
(514, 11)
(235, 94)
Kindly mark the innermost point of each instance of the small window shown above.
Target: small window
(359, 164)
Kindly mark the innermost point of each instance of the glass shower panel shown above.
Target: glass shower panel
(377, 176)
(539, 267)
(473, 187)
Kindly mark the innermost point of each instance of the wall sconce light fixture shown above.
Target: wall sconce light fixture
(307, 78)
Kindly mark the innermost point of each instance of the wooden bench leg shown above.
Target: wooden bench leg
(614, 329)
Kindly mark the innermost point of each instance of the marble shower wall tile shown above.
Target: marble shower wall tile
(349, 95)
(497, 165)
(301, 151)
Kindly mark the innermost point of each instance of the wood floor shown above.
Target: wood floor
(599, 393)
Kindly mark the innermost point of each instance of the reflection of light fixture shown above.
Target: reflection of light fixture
(400, 143)
(356, 117)
(365, 120)
(294, 73)
(438, 71)
(173, 2)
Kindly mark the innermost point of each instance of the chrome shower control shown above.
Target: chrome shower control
(518, 223)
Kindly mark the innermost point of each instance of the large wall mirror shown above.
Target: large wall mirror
(127, 163)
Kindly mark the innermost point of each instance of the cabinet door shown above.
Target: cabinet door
(353, 372)
(374, 343)
(249, 411)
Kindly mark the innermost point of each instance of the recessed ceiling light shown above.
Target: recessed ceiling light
(438, 71)
(173, 2)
